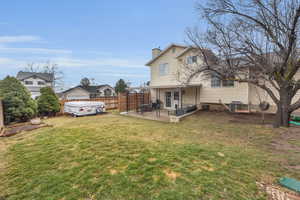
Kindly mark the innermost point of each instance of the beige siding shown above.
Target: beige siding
(191, 96)
(210, 94)
(170, 58)
(76, 93)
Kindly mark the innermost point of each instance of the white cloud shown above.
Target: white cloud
(127, 75)
(34, 50)
(20, 38)
(115, 62)
(6, 61)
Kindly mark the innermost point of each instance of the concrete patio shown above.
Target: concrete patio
(162, 115)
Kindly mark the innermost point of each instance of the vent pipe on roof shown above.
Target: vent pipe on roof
(155, 52)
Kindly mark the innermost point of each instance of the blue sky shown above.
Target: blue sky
(104, 40)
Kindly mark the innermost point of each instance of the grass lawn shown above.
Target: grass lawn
(117, 157)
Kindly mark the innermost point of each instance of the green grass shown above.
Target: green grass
(117, 157)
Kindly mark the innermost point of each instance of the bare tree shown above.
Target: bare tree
(255, 41)
(49, 68)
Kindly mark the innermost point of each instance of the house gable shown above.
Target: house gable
(168, 63)
(76, 93)
(177, 47)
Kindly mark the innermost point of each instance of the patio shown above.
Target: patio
(159, 115)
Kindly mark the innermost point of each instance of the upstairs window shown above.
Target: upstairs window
(228, 83)
(163, 69)
(192, 59)
(28, 83)
(215, 81)
(41, 83)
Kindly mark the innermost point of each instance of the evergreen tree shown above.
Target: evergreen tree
(121, 86)
(17, 102)
(48, 102)
(85, 82)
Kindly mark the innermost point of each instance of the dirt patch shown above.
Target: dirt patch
(113, 171)
(171, 174)
(24, 127)
(252, 118)
(283, 143)
(152, 159)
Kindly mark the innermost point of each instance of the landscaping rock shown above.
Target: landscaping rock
(36, 121)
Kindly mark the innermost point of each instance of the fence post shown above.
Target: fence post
(119, 102)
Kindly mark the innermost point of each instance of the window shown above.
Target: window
(228, 83)
(176, 96)
(192, 59)
(28, 83)
(215, 81)
(41, 83)
(173, 50)
(163, 69)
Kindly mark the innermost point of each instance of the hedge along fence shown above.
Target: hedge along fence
(132, 101)
(111, 103)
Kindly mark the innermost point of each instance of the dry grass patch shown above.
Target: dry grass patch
(116, 157)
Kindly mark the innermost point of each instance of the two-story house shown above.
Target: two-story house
(167, 65)
(34, 81)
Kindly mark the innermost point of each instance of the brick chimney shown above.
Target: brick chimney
(155, 52)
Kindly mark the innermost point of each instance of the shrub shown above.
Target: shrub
(48, 102)
(17, 102)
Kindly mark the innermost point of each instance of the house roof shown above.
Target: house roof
(208, 52)
(90, 89)
(164, 51)
(45, 76)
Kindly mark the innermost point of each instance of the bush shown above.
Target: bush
(48, 102)
(17, 102)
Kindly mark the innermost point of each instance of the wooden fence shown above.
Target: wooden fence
(123, 102)
(132, 101)
(110, 102)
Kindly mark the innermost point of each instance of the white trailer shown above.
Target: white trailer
(83, 108)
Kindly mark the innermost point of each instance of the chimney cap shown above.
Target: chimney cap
(158, 48)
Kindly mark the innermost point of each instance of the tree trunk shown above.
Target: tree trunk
(283, 114)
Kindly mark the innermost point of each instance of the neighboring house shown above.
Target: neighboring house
(167, 65)
(140, 89)
(88, 92)
(34, 81)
